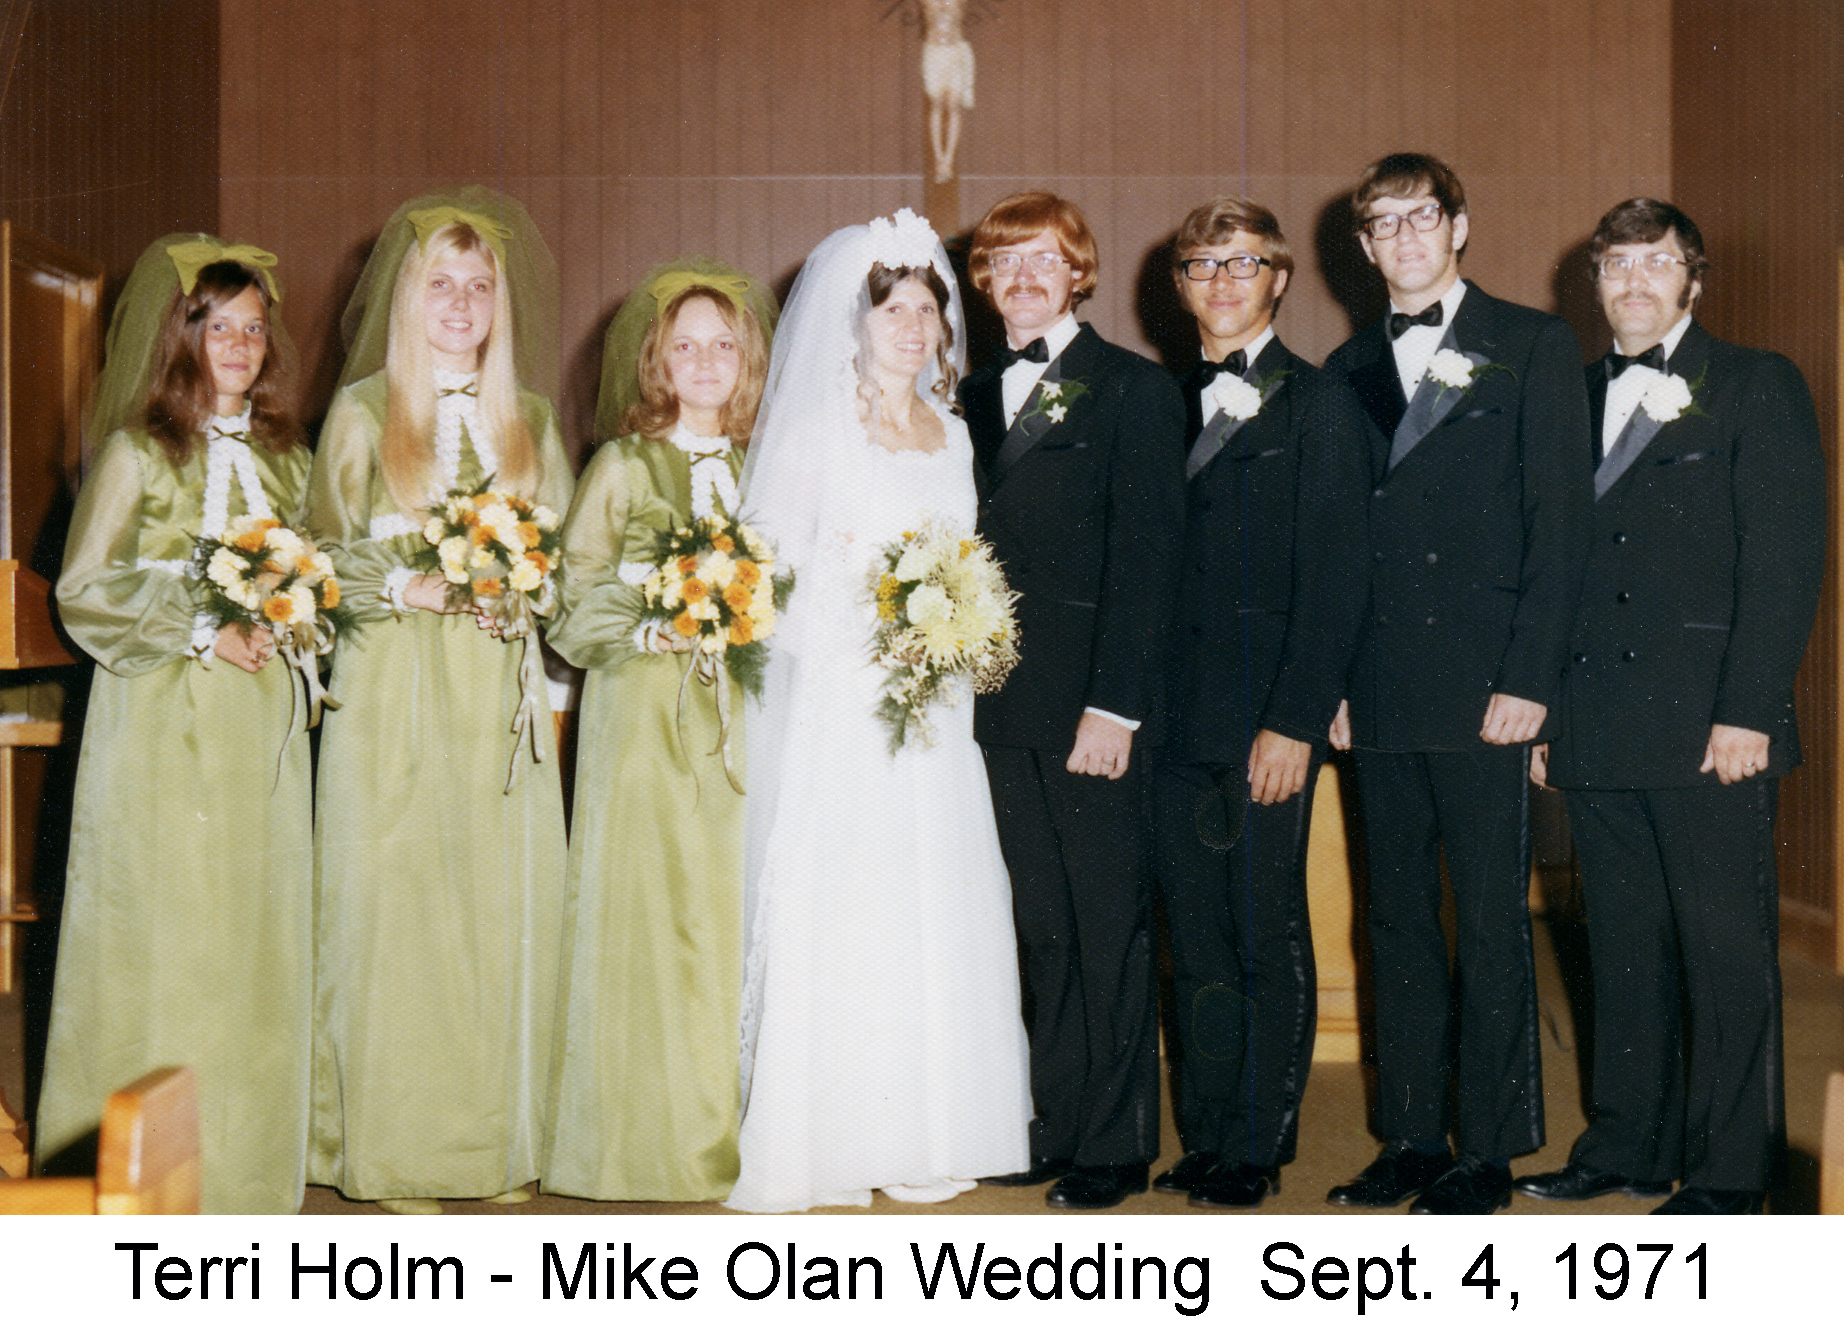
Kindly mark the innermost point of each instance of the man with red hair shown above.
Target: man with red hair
(1080, 456)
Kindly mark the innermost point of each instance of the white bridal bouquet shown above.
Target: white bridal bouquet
(943, 611)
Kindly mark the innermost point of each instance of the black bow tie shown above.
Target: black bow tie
(1401, 322)
(1207, 371)
(1037, 352)
(1651, 358)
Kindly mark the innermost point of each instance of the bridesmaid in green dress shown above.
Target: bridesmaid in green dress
(440, 903)
(187, 935)
(645, 1102)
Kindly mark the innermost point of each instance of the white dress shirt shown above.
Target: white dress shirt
(1624, 392)
(1415, 347)
(1017, 381)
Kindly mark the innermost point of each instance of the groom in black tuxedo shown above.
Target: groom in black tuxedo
(1677, 723)
(1080, 460)
(1480, 459)
(1274, 552)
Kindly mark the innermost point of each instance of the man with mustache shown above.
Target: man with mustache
(1677, 721)
(1080, 459)
(1274, 546)
(1480, 464)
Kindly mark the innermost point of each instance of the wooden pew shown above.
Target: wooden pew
(147, 1161)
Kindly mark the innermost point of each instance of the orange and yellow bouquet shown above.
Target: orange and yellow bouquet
(259, 573)
(715, 585)
(500, 553)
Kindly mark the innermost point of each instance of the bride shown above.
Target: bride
(882, 1043)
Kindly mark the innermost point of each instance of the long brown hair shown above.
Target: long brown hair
(180, 401)
(407, 452)
(657, 410)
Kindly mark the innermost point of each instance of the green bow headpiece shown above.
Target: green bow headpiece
(194, 256)
(429, 220)
(665, 287)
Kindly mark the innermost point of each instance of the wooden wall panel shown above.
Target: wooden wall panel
(109, 122)
(1757, 142)
(750, 128)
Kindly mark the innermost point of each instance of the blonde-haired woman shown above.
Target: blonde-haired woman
(440, 882)
(646, 1102)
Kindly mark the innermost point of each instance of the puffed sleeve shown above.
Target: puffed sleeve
(130, 618)
(339, 507)
(597, 612)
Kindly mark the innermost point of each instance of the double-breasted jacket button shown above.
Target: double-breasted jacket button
(1622, 597)
(1629, 655)
(1581, 658)
(1433, 558)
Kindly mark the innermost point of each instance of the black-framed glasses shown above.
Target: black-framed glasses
(1384, 225)
(1242, 266)
(1005, 263)
(1613, 266)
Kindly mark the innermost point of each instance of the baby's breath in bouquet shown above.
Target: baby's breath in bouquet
(714, 583)
(944, 611)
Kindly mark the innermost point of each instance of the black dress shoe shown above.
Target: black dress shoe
(1092, 1188)
(1232, 1185)
(1693, 1201)
(1041, 1172)
(1398, 1173)
(1190, 1169)
(1576, 1183)
(1474, 1187)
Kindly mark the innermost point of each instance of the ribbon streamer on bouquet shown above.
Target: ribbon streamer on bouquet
(514, 616)
(300, 648)
(710, 671)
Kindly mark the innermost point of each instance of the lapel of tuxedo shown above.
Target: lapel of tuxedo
(1032, 424)
(1688, 363)
(984, 409)
(1379, 388)
(1215, 435)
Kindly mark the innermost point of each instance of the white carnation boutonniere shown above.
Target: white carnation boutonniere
(1237, 397)
(1667, 396)
(1453, 371)
(1241, 399)
(1054, 399)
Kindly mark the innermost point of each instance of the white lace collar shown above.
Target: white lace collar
(227, 452)
(457, 404)
(710, 471)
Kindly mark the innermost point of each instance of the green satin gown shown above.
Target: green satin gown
(646, 1098)
(440, 895)
(187, 934)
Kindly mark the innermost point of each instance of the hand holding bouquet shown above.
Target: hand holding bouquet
(499, 554)
(259, 573)
(715, 586)
(943, 611)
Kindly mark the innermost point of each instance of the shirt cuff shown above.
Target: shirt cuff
(1131, 725)
(395, 581)
(205, 627)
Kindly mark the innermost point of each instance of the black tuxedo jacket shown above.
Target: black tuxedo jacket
(1273, 575)
(1702, 580)
(1086, 516)
(1477, 535)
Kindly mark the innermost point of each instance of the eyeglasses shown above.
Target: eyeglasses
(1006, 263)
(1242, 266)
(1386, 224)
(1616, 265)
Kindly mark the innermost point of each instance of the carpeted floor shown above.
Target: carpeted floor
(1334, 1144)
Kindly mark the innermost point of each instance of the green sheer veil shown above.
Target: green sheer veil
(140, 313)
(527, 267)
(621, 351)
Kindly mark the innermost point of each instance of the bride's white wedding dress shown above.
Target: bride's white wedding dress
(883, 1045)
